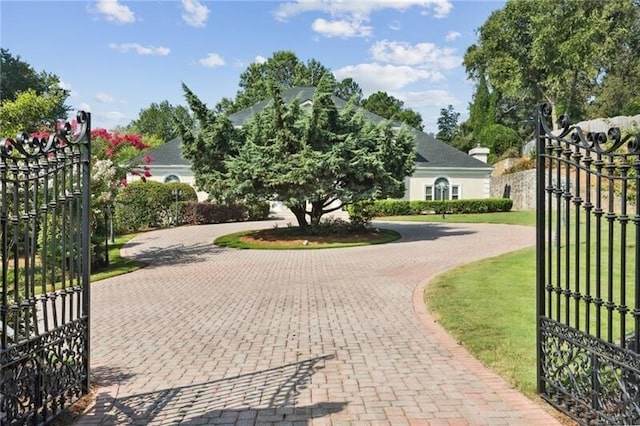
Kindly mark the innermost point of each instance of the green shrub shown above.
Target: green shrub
(405, 208)
(151, 204)
(206, 213)
(257, 210)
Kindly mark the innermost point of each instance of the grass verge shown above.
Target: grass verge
(489, 307)
(508, 218)
(291, 239)
(118, 265)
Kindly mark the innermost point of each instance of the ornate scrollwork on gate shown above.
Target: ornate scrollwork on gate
(44, 243)
(588, 271)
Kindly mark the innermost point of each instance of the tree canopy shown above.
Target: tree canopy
(159, 120)
(387, 106)
(309, 160)
(554, 51)
(28, 98)
(448, 124)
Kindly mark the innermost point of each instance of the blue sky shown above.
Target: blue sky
(117, 57)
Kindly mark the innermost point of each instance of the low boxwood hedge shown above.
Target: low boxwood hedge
(405, 207)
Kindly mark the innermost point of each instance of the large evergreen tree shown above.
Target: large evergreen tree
(309, 160)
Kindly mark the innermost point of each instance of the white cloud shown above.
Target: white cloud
(426, 54)
(115, 12)
(361, 9)
(194, 13)
(112, 116)
(212, 60)
(104, 98)
(452, 35)
(260, 59)
(341, 28)
(395, 25)
(375, 77)
(140, 50)
(428, 98)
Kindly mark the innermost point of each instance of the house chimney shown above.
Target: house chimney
(480, 153)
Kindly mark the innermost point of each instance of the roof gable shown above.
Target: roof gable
(167, 154)
(430, 152)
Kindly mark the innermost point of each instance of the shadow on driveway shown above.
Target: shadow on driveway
(412, 232)
(264, 396)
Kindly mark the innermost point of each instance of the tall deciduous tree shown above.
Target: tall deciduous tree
(17, 76)
(348, 89)
(309, 160)
(29, 112)
(387, 106)
(550, 51)
(159, 120)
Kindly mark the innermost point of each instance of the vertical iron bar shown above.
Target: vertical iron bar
(15, 234)
(577, 201)
(588, 207)
(540, 249)
(558, 196)
(623, 219)
(25, 238)
(598, 213)
(64, 230)
(44, 249)
(611, 217)
(55, 217)
(85, 147)
(548, 158)
(566, 195)
(5, 251)
(33, 215)
(636, 221)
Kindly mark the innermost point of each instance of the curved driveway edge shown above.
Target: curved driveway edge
(206, 335)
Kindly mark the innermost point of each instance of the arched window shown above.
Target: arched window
(441, 187)
(171, 178)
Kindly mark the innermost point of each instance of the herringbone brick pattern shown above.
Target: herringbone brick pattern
(206, 335)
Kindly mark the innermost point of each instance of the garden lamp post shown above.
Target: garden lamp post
(442, 187)
(176, 192)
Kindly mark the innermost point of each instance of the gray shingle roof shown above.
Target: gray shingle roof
(167, 154)
(430, 152)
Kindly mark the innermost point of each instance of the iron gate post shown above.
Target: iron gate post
(540, 247)
(86, 244)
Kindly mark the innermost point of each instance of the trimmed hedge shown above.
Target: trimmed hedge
(206, 213)
(151, 204)
(406, 208)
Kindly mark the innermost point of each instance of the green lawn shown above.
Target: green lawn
(117, 265)
(509, 218)
(489, 306)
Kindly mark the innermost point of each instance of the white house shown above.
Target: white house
(442, 172)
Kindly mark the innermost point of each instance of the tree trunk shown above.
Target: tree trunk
(316, 212)
(300, 214)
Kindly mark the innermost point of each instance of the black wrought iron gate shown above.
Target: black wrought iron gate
(588, 272)
(44, 237)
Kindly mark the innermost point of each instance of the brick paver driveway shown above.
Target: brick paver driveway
(206, 335)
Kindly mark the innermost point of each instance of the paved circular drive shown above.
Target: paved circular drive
(206, 335)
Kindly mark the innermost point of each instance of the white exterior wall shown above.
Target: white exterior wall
(472, 183)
